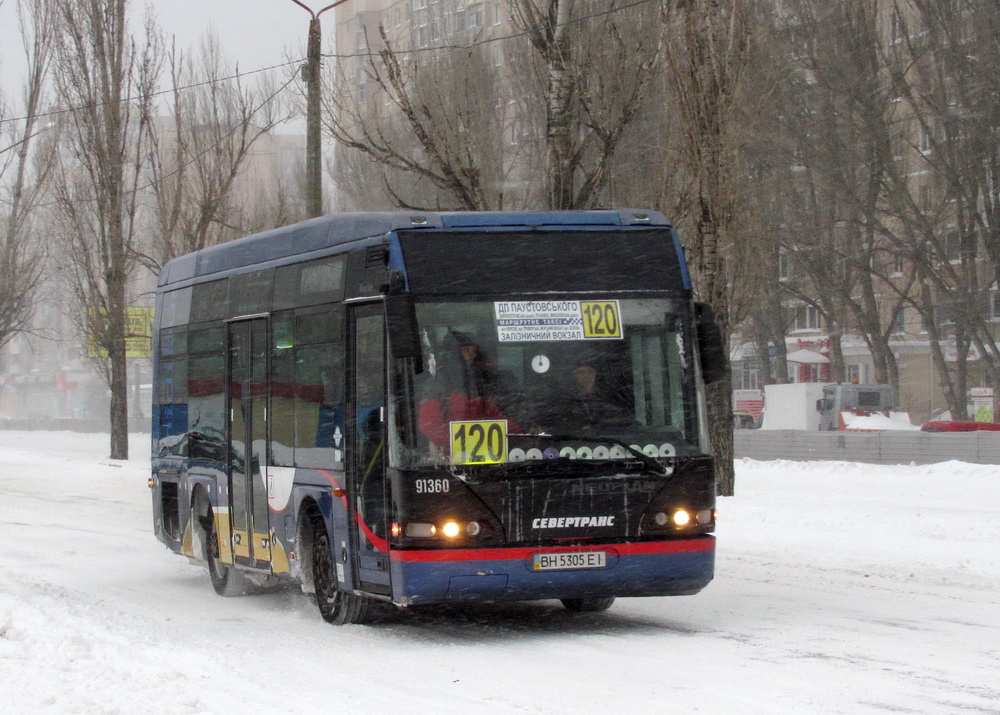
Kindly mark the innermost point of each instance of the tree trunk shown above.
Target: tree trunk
(559, 165)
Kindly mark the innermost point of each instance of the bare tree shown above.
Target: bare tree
(198, 156)
(707, 57)
(106, 78)
(467, 125)
(939, 208)
(831, 133)
(430, 133)
(25, 162)
(594, 74)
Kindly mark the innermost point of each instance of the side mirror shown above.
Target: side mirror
(401, 326)
(714, 358)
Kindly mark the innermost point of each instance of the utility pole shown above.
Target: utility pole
(314, 141)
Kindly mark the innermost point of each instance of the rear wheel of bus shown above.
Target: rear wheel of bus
(226, 580)
(336, 606)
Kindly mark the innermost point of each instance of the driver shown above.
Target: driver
(586, 401)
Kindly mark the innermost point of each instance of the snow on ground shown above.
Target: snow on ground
(840, 588)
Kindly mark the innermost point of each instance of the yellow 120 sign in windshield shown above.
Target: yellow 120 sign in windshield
(479, 442)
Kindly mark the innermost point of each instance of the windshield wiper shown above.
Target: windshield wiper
(653, 465)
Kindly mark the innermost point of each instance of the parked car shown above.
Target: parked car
(959, 426)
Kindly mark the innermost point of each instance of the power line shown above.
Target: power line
(159, 92)
(489, 40)
(337, 55)
(186, 164)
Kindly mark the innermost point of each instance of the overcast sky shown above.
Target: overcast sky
(254, 33)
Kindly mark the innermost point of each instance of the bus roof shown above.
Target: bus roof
(337, 229)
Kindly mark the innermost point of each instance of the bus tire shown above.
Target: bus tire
(226, 579)
(335, 606)
(588, 605)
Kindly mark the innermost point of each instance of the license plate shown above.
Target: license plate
(572, 560)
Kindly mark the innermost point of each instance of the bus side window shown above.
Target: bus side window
(171, 392)
(319, 388)
(207, 393)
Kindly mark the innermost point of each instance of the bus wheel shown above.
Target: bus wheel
(336, 606)
(226, 580)
(588, 605)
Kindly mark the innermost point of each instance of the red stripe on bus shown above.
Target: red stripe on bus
(521, 552)
(376, 541)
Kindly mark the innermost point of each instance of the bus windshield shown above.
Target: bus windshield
(506, 381)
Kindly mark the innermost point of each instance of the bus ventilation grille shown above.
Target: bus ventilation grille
(376, 257)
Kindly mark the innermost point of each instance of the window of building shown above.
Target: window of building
(994, 314)
(857, 373)
(806, 318)
(784, 265)
(925, 198)
(360, 36)
(748, 376)
(896, 144)
(953, 246)
(899, 321)
(897, 265)
(944, 315)
(476, 15)
(421, 36)
(896, 30)
(362, 80)
(925, 139)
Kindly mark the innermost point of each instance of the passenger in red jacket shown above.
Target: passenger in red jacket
(463, 389)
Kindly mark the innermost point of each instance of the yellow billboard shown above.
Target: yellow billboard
(138, 335)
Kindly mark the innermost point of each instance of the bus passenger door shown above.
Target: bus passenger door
(247, 371)
(366, 462)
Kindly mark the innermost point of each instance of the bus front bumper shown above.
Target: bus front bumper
(660, 568)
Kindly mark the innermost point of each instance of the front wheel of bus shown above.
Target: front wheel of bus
(588, 605)
(336, 606)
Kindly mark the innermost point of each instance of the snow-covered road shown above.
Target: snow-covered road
(839, 588)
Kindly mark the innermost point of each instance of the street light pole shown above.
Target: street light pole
(314, 142)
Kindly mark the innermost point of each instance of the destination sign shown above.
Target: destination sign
(552, 320)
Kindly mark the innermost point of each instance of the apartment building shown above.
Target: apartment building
(885, 265)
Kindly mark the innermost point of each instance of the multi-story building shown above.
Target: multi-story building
(889, 157)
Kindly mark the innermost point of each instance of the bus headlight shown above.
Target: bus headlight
(681, 517)
(450, 529)
(662, 519)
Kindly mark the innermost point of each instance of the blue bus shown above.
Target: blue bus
(416, 408)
